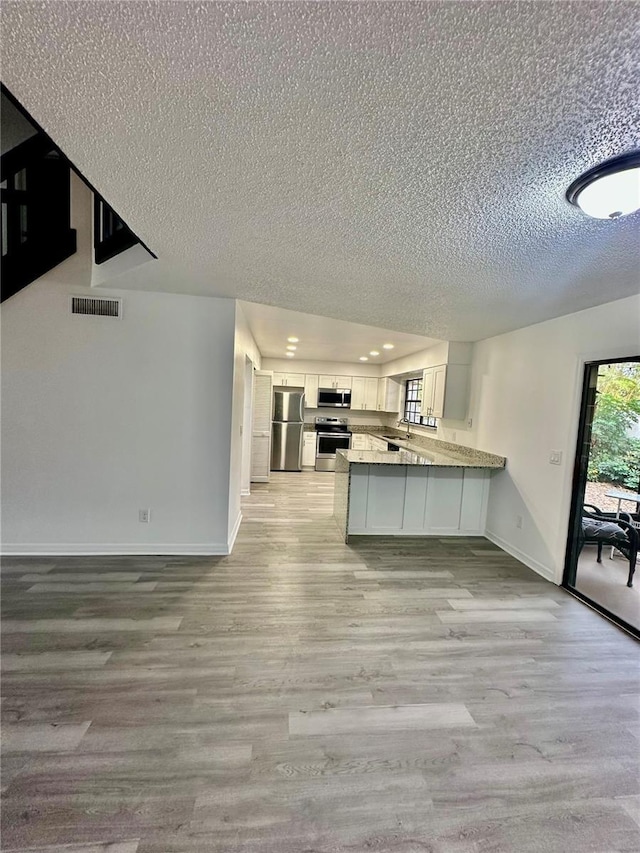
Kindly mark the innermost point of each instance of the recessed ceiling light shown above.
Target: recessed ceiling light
(387, 346)
(374, 352)
(609, 190)
(292, 347)
(293, 340)
(363, 358)
(290, 354)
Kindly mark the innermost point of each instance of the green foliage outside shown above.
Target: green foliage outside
(615, 455)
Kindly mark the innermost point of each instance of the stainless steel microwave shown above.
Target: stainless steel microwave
(334, 398)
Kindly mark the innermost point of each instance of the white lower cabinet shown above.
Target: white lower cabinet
(359, 441)
(309, 450)
(418, 500)
(378, 443)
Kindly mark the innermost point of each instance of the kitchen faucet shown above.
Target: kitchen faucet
(405, 421)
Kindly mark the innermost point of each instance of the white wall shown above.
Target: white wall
(103, 417)
(446, 352)
(244, 347)
(331, 368)
(525, 400)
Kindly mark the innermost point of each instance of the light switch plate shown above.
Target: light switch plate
(555, 457)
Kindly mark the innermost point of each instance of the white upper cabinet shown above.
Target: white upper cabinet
(311, 391)
(289, 380)
(388, 395)
(364, 393)
(445, 391)
(326, 381)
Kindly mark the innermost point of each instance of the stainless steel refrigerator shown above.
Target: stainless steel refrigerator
(286, 431)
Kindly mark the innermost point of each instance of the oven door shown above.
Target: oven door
(326, 445)
(334, 398)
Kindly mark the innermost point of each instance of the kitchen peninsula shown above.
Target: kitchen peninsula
(433, 488)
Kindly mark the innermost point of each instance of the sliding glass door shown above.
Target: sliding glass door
(604, 528)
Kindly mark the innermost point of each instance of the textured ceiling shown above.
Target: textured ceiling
(401, 165)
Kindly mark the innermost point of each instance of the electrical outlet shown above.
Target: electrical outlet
(555, 457)
(469, 423)
(519, 521)
(144, 516)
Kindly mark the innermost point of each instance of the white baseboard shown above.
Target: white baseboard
(544, 571)
(419, 531)
(91, 549)
(234, 533)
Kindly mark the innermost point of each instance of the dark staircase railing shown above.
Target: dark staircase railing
(36, 210)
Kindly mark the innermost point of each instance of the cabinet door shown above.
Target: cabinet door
(311, 391)
(279, 379)
(295, 380)
(358, 442)
(327, 381)
(261, 428)
(358, 392)
(344, 382)
(388, 396)
(309, 450)
(439, 391)
(427, 392)
(371, 394)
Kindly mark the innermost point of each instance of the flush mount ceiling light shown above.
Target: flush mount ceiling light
(293, 340)
(290, 354)
(363, 358)
(609, 190)
(387, 346)
(374, 352)
(292, 348)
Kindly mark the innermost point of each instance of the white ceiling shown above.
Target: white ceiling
(324, 339)
(400, 165)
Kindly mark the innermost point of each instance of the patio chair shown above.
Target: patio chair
(605, 528)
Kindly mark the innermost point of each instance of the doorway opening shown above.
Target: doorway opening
(604, 526)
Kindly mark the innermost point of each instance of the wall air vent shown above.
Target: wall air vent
(96, 306)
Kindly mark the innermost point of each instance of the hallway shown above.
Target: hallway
(301, 695)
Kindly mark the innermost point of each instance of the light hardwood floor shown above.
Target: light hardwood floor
(304, 696)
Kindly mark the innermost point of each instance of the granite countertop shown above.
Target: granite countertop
(431, 452)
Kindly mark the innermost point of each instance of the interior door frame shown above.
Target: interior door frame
(579, 484)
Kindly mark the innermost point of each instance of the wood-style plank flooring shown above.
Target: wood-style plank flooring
(304, 696)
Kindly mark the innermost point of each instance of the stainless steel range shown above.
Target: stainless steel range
(331, 434)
